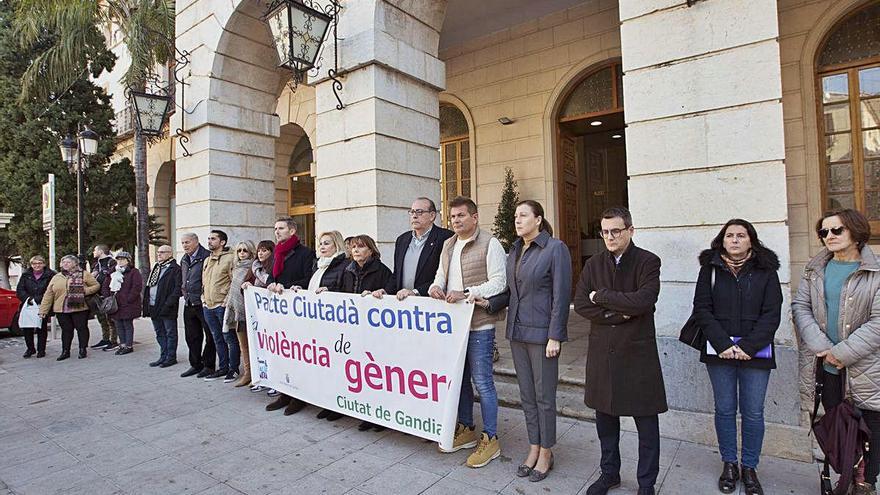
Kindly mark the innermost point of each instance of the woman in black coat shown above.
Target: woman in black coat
(737, 304)
(363, 275)
(30, 289)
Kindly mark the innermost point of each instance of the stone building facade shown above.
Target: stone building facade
(688, 112)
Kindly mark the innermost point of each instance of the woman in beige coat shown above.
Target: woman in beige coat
(66, 297)
(837, 315)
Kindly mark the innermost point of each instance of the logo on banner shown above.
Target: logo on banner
(264, 368)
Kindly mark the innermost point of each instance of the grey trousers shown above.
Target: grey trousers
(537, 378)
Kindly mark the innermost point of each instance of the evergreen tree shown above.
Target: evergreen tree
(30, 131)
(504, 229)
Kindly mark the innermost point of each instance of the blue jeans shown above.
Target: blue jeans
(750, 385)
(478, 368)
(166, 337)
(214, 319)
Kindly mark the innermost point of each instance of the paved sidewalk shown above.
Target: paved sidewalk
(111, 424)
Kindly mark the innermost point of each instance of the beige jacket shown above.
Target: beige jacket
(53, 300)
(859, 324)
(216, 278)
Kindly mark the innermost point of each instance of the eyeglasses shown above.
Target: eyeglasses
(418, 213)
(613, 233)
(823, 233)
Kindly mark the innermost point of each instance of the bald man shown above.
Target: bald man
(161, 302)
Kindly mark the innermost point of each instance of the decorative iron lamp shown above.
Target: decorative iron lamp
(88, 141)
(298, 31)
(151, 110)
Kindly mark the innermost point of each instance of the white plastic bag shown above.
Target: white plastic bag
(30, 315)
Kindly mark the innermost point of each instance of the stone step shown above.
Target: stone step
(569, 395)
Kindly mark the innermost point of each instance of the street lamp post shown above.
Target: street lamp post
(72, 153)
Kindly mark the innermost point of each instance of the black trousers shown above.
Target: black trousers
(608, 428)
(69, 322)
(41, 333)
(830, 398)
(196, 331)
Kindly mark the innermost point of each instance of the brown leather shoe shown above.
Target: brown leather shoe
(280, 403)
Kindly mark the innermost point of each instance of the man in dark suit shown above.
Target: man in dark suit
(417, 253)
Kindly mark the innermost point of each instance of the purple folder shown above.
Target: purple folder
(765, 353)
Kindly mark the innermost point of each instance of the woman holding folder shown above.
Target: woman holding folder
(737, 303)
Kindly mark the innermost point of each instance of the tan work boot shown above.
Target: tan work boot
(245, 378)
(465, 438)
(488, 449)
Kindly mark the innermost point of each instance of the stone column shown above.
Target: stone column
(380, 152)
(702, 90)
(228, 181)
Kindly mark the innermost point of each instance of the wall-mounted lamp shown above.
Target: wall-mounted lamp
(505, 120)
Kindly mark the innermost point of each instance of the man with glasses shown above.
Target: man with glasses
(161, 302)
(617, 292)
(417, 253)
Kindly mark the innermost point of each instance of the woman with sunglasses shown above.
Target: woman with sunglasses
(738, 304)
(837, 317)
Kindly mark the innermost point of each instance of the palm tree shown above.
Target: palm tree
(67, 29)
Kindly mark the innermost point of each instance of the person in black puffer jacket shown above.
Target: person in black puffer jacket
(31, 287)
(364, 274)
(737, 304)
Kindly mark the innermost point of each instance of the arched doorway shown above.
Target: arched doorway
(591, 161)
(848, 85)
(301, 190)
(456, 178)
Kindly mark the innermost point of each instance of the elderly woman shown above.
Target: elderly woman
(126, 284)
(235, 323)
(31, 287)
(327, 275)
(66, 297)
(363, 275)
(738, 304)
(835, 313)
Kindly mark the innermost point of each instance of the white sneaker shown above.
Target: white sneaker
(256, 388)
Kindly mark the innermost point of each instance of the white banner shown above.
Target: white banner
(396, 364)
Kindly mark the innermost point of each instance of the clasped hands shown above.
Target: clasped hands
(735, 352)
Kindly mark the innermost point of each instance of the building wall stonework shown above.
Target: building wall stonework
(522, 73)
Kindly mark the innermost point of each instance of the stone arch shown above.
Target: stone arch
(162, 198)
(551, 111)
(826, 23)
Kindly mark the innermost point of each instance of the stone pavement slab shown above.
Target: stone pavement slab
(112, 425)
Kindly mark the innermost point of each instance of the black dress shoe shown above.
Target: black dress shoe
(729, 477)
(102, 343)
(168, 363)
(365, 425)
(41, 354)
(280, 403)
(378, 428)
(64, 355)
(536, 475)
(294, 407)
(603, 484)
(323, 414)
(333, 416)
(750, 482)
(82, 353)
(156, 363)
(190, 372)
(205, 372)
(28, 353)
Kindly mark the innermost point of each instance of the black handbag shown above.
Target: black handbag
(691, 333)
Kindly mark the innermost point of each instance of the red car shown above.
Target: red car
(8, 307)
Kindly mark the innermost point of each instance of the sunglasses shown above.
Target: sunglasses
(242, 251)
(823, 233)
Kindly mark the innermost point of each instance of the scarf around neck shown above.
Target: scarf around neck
(157, 271)
(281, 251)
(736, 265)
(76, 292)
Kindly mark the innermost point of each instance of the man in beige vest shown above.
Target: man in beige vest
(472, 265)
